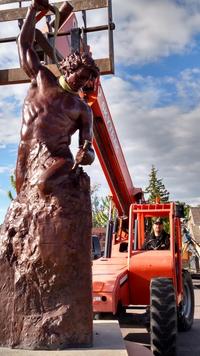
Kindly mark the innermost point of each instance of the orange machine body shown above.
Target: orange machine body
(124, 279)
(110, 284)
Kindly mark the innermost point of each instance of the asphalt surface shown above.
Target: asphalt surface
(188, 342)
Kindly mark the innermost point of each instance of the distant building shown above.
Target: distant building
(194, 223)
(194, 228)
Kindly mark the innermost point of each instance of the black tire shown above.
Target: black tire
(186, 307)
(163, 317)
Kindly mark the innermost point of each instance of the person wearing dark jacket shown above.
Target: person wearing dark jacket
(158, 238)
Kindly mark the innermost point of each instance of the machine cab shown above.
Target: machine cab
(148, 259)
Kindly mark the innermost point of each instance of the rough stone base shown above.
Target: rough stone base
(45, 267)
(108, 341)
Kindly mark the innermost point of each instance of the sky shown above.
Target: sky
(153, 97)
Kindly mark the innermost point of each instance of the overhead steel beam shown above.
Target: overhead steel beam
(60, 34)
(20, 13)
(17, 75)
(92, 4)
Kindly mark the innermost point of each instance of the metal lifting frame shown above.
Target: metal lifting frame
(106, 65)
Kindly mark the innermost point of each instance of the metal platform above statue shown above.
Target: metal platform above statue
(44, 38)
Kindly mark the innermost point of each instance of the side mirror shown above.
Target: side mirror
(179, 211)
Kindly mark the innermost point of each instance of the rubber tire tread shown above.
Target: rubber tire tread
(163, 317)
(184, 323)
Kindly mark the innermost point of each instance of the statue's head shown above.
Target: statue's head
(78, 69)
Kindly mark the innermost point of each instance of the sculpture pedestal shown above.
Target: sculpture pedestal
(108, 341)
(45, 267)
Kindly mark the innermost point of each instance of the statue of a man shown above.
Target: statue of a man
(45, 240)
(53, 110)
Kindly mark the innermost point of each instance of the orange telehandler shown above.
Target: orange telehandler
(128, 276)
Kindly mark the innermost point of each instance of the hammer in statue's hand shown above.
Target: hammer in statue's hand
(81, 154)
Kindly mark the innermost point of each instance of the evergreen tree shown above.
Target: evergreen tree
(156, 188)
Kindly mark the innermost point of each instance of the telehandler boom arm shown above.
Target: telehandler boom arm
(110, 155)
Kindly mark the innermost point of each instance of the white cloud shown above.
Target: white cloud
(11, 99)
(10, 135)
(4, 169)
(188, 87)
(9, 56)
(167, 137)
(14, 93)
(147, 30)
(3, 192)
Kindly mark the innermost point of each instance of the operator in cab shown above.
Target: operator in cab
(158, 239)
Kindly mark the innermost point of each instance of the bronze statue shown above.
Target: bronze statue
(53, 110)
(45, 241)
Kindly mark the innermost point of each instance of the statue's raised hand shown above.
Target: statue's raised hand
(40, 5)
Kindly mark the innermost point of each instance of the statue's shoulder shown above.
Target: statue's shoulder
(45, 78)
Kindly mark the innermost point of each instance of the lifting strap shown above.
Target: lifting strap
(56, 27)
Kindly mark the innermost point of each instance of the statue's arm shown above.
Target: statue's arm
(28, 57)
(20, 167)
(86, 155)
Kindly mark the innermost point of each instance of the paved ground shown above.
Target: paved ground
(188, 342)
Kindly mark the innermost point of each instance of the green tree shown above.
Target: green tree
(95, 203)
(186, 208)
(156, 188)
(100, 207)
(102, 215)
(13, 184)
